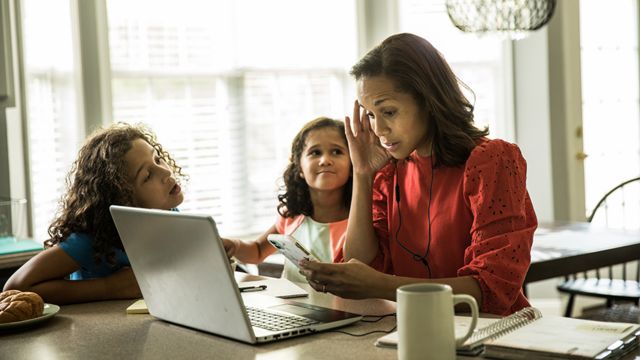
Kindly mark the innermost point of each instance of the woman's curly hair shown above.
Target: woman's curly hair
(296, 199)
(97, 179)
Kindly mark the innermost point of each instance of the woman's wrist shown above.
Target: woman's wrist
(363, 177)
(387, 288)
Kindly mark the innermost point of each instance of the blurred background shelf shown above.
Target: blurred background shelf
(15, 246)
(15, 252)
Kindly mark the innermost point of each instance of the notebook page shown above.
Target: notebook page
(560, 335)
(138, 307)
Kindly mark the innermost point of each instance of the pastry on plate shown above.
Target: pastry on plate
(18, 305)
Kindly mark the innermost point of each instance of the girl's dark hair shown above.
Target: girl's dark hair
(296, 199)
(418, 69)
(98, 179)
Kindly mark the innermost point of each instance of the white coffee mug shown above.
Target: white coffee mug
(426, 321)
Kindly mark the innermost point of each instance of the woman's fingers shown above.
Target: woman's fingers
(325, 287)
(342, 279)
(365, 120)
(316, 286)
(347, 129)
(319, 267)
(357, 126)
(320, 272)
(320, 278)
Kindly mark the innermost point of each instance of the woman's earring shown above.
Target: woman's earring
(302, 175)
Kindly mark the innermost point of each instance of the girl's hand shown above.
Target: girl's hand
(230, 246)
(353, 279)
(367, 155)
(123, 285)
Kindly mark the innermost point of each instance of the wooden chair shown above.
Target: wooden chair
(618, 208)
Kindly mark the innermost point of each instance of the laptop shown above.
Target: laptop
(185, 278)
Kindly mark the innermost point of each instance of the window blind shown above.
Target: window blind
(226, 97)
(224, 86)
(51, 103)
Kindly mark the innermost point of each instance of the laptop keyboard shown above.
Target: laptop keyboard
(274, 321)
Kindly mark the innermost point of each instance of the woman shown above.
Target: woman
(434, 200)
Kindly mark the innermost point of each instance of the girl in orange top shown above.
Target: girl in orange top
(314, 206)
(434, 200)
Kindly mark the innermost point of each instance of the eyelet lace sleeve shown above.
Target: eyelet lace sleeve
(503, 225)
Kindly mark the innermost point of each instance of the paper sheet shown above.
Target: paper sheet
(138, 307)
(460, 327)
(281, 288)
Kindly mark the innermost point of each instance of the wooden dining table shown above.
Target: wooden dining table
(564, 248)
(104, 330)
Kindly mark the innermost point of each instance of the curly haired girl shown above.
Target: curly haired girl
(315, 204)
(84, 260)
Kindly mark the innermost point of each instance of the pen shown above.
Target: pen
(253, 288)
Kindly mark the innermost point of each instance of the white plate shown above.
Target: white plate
(49, 311)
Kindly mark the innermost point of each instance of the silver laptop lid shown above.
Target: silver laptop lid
(186, 272)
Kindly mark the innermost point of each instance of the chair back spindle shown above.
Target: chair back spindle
(619, 208)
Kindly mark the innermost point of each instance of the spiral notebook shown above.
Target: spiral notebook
(526, 334)
(473, 345)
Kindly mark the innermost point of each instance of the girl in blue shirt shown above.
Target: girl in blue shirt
(85, 261)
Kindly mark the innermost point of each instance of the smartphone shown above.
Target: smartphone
(288, 246)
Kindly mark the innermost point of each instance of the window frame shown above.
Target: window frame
(89, 19)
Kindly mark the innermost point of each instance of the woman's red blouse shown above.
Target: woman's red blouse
(482, 222)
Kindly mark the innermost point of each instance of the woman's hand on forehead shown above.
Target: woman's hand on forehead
(367, 155)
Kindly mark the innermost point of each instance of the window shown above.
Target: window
(610, 104)
(226, 89)
(479, 62)
(52, 107)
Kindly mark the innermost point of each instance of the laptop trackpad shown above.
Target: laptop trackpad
(311, 312)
